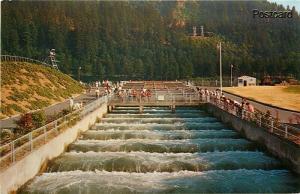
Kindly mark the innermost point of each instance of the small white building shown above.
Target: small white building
(246, 81)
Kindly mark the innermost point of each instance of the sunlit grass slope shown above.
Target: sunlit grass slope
(26, 87)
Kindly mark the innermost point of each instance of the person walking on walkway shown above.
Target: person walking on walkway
(71, 103)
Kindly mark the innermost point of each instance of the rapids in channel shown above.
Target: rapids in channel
(163, 152)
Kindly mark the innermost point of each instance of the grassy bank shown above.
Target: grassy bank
(26, 87)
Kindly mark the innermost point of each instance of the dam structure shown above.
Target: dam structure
(160, 151)
(172, 140)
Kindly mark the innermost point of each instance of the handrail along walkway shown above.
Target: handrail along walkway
(270, 124)
(19, 148)
(193, 98)
(23, 59)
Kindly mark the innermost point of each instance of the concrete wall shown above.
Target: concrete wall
(22, 171)
(285, 150)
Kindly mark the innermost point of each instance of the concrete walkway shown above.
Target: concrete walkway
(284, 115)
(50, 110)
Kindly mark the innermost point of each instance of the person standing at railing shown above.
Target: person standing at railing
(202, 94)
(134, 94)
(121, 95)
(223, 96)
(251, 108)
(226, 104)
(130, 94)
(247, 111)
(238, 109)
(206, 95)
(126, 94)
(214, 96)
(143, 94)
(148, 94)
(218, 98)
(243, 102)
(230, 106)
(243, 107)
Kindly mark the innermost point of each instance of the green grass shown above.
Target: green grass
(19, 96)
(19, 75)
(38, 104)
(293, 89)
(8, 109)
(16, 108)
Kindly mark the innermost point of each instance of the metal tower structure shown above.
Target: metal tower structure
(194, 31)
(53, 59)
(202, 31)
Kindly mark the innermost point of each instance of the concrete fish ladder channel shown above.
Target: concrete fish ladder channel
(161, 152)
(27, 168)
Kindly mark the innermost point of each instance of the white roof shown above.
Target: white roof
(246, 77)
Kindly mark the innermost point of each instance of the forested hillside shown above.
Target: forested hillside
(150, 40)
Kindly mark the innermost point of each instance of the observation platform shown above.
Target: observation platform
(158, 100)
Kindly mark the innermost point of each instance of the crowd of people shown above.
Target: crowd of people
(126, 93)
(94, 88)
(108, 87)
(133, 94)
(242, 109)
(100, 88)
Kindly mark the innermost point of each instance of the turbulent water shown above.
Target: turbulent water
(162, 152)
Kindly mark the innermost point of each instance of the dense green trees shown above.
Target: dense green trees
(149, 40)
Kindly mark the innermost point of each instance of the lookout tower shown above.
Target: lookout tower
(53, 59)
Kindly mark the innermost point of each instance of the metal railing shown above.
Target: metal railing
(267, 122)
(159, 98)
(19, 148)
(22, 59)
(193, 98)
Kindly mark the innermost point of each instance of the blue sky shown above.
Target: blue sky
(291, 3)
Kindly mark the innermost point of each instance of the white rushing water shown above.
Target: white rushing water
(161, 152)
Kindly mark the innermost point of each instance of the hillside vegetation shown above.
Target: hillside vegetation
(151, 40)
(26, 87)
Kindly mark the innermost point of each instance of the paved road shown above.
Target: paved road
(50, 110)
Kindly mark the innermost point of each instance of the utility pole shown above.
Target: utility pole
(220, 47)
(231, 66)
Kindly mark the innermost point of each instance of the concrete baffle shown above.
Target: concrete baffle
(141, 109)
